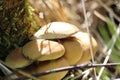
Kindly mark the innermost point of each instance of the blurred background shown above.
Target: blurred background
(103, 20)
(101, 17)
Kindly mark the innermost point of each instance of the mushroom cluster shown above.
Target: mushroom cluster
(55, 45)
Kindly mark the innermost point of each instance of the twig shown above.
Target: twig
(80, 66)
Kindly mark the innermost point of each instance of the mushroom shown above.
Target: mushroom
(42, 50)
(56, 30)
(16, 59)
(73, 50)
(48, 65)
(83, 38)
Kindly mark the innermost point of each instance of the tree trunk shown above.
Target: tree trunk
(16, 25)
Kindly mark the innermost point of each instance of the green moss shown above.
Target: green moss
(16, 25)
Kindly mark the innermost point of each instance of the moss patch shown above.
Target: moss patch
(16, 25)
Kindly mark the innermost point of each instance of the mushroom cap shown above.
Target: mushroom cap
(56, 30)
(73, 50)
(83, 38)
(43, 50)
(52, 65)
(16, 59)
(48, 65)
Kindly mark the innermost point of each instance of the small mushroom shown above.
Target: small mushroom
(43, 50)
(56, 30)
(16, 59)
(49, 65)
(83, 38)
(73, 50)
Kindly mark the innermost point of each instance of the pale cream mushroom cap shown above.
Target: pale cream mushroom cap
(73, 50)
(56, 30)
(16, 59)
(43, 50)
(83, 38)
(53, 50)
(49, 65)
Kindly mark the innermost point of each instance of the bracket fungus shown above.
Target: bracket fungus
(56, 30)
(83, 38)
(73, 50)
(16, 59)
(49, 65)
(43, 50)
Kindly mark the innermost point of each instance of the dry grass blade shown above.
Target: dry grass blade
(50, 10)
(114, 37)
(20, 72)
(55, 10)
(91, 48)
(100, 16)
(113, 40)
(6, 71)
(85, 74)
(109, 10)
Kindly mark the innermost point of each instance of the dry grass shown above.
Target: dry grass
(88, 17)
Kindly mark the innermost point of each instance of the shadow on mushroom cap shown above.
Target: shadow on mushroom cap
(16, 59)
(42, 50)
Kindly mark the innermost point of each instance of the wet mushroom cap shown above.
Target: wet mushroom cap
(73, 50)
(16, 59)
(56, 30)
(43, 50)
(47, 66)
(83, 38)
